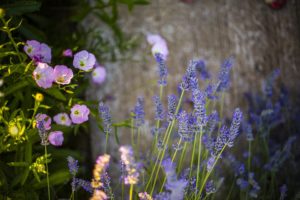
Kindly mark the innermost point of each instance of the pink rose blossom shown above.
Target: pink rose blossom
(79, 114)
(62, 74)
(56, 138)
(62, 119)
(43, 75)
(46, 120)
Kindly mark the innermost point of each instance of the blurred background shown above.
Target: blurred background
(260, 35)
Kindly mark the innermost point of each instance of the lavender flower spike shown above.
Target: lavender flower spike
(189, 80)
(162, 69)
(73, 165)
(106, 117)
(235, 125)
(224, 74)
(199, 101)
(139, 113)
(176, 186)
(171, 107)
(159, 112)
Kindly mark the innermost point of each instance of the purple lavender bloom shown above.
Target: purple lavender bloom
(176, 186)
(99, 75)
(42, 132)
(159, 111)
(62, 119)
(84, 60)
(73, 165)
(162, 69)
(210, 187)
(255, 187)
(199, 101)
(222, 140)
(189, 80)
(210, 91)
(62, 74)
(269, 83)
(56, 138)
(45, 119)
(201, 68)
(235, 125)
(106, 118)
(43, 75)
(86, 185)
(67, 53)
(210, 163)
(139, 113)
(38, 52)
(242, 183)
(224, 74)
(247, 129)
(212, 121)
(79, 114)
(283, 191)
(172, 102)
(186, 126)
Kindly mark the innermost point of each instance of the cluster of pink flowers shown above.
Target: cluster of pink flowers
(45, 75)
(159, 45)
(79, 114)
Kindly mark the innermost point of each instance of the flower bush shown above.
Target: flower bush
(195, 152)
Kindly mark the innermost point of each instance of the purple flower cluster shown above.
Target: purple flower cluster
(45, 75)
(159, 111)
(106, 118)
(224, 74)
(176, 186)
(199, 100)
(189, 80)
(172, 103)
(39, 52)
(162, 69)
(139, 113)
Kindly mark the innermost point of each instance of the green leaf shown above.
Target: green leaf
(56, 93)
(54, 179)
(116, 135)
(18, 164)
(22, 7)
(19, 85)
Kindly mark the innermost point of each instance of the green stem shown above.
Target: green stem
(48, 184)
(122, 190)
(249, 156)
(130, 192)
(230, 191)
(199, 156)
(165, 141)
(192, 160)
(208, 174)
(106, 141)
(173, 158)
(182, 157)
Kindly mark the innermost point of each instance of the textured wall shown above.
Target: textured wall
(259, 38)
